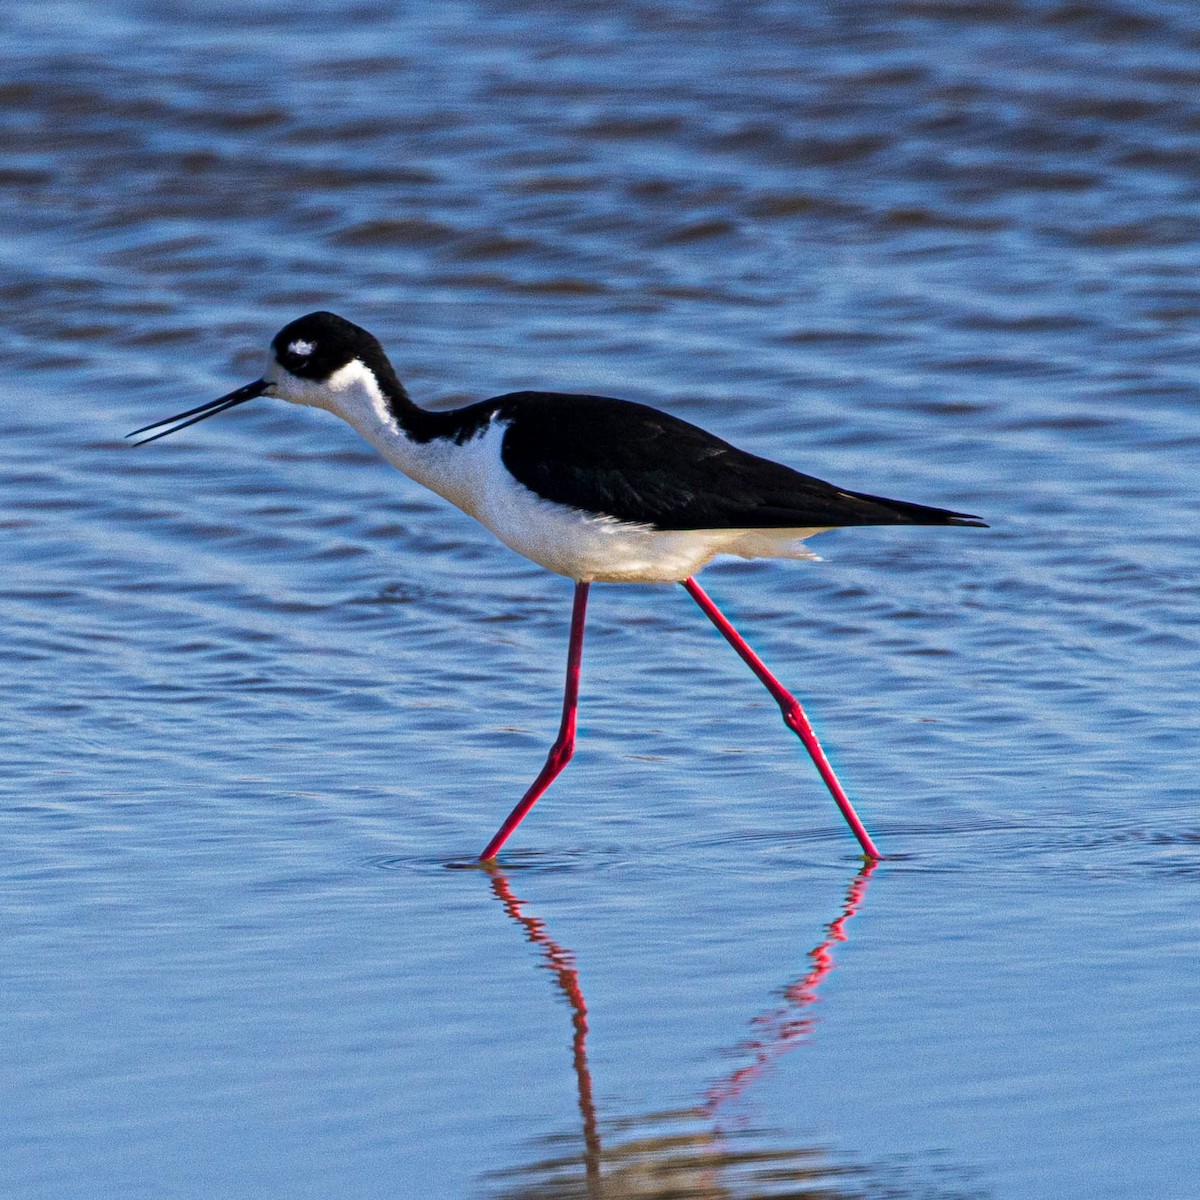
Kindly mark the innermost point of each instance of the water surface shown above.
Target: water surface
(262, 696)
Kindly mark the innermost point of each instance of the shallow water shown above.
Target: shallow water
(262, 696)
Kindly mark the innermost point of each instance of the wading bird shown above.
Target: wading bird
(596, 489)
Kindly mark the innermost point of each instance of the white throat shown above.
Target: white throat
(354, 394)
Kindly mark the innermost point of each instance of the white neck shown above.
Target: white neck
(353, 393)
(406, 436)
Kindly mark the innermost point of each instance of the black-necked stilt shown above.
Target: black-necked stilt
(596, 489)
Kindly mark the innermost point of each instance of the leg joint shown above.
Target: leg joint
(561, 753)
(793, 715)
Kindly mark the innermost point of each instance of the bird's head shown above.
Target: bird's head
(321, 360)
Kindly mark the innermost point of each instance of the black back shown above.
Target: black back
(634, 463)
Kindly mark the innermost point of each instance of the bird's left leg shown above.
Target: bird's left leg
(793, 714)
(564, 744)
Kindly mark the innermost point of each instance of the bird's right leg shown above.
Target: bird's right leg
(564, 744)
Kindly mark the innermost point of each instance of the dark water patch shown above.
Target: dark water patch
(496, 245)
(1025, 323)
(551, 184)
(396, 232)
(698, 231)
(1156, 232)
(632, 128)
(1105, 21)
(771, 143)
(802, 204)
(914, 217)
(552, 286)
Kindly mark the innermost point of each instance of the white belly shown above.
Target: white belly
(605, 550)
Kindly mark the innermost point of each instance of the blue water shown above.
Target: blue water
(262, 697)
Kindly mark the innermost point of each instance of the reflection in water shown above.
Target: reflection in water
(687, 1155)
(779, 1029)
(562, 963)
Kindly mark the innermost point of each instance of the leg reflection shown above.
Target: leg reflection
(684, 1153)
(780, 1029)
(562, 963)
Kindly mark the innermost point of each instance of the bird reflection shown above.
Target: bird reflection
(686, 1154)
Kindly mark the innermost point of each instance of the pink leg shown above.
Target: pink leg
(793, 714)
(564, 745)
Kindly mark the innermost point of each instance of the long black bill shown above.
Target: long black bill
(201, 411)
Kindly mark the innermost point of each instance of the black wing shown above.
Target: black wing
(620, 459)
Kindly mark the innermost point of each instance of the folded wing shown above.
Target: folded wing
(624, 460)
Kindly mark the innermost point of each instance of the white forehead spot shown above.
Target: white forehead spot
(301, 349)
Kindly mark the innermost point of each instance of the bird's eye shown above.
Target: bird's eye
(301, 349)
